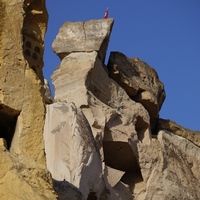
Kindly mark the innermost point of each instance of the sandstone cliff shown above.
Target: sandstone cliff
(23, 172)
(100, 137)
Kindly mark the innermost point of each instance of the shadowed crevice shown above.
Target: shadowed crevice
(8, 119)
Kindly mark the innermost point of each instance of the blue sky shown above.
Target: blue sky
(165, 34)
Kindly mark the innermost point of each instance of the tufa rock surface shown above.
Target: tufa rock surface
(115, 120)
(169, 125)
(48, 98)
(98, 132)
(140, 81)
(71, 150)
(22, 160)
(169, 167)
(87, 36)
(100, 137)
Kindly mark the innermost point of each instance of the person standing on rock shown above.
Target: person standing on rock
(106, 14)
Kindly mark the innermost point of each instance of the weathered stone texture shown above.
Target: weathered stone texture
(140, 81)
(87, 36)
(71, 151)
(192, 136)
(171, 161)
(34, 28)
(48, 98)
(119, 107)
(14, 67)
(95, 87)
(23, 170)
(97, 130)
(116, 121)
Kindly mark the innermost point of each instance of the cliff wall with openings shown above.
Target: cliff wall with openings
(100, 137)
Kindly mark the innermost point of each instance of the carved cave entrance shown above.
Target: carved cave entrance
(8, 119)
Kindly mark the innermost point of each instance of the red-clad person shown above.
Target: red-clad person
(106, 14)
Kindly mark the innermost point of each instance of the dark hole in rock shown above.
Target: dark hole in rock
(28, 44)
(34, 68)
(119, 155)
(92, 196)
(141, 127)
(27, 52)
(8, 119)
(154, 126)
(66, 191)
(34, 56)
(134, 180)
(37, 49)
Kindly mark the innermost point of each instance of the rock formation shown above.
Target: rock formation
(23, 168)
(100, 137)
(83, 37)
(140, 82)
(103, 136)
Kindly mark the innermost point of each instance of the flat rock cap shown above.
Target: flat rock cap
(87, 36)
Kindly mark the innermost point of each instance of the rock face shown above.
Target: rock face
(74, 155)
(169, 167)
(140, 81)
(192, 136)
(83, 37)
(98, 132)
(48, 98)
(23, 170)
(100, 137)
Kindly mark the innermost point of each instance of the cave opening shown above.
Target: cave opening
(92, 196)
(141, 128)
(120, 156)
(8, 119)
